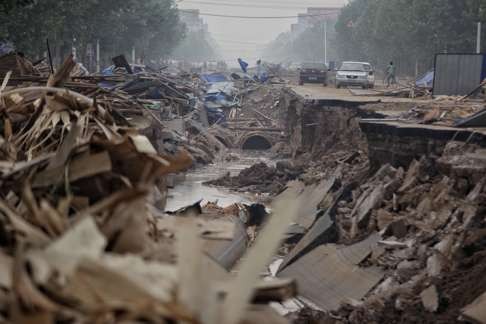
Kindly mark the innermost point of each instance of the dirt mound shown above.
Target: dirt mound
(260, 178)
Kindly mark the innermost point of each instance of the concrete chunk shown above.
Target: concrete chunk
(476, 310)
(430, 299)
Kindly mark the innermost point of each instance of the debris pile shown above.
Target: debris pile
(260, 106)
(261, 178)
(396, 244)
(83, 234)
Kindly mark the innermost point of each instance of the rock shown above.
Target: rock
(383, 218)
(368, 201)
(411, 177)
(437, 220)
(408, 265)
(231, 157)
(397, 228)
(474, 194)
(386, 286)
(406, 269)
(430, 299)
(424, 208)
(445, 246)
(435, 264)
(284, 165)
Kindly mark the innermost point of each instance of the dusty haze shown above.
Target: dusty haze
(246, 37)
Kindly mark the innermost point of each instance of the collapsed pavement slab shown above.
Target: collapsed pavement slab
(330, 274)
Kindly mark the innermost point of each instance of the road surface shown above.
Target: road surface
(318, 92)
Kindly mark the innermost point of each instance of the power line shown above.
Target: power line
(260, 17)
(238, 42)
(264, 6)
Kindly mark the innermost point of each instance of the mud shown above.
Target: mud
(260, 178)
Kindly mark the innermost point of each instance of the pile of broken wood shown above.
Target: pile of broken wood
(81, 239)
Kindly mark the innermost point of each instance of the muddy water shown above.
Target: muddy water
(190, 188)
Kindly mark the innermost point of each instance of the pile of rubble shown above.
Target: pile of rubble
(261, 178)
(83, 232)
(396, 245)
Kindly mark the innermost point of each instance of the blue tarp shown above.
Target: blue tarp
(426, 81)
(214, 77)
(243, 65)
(6, 48)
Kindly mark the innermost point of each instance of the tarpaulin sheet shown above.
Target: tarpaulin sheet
(214, 78)
(426, 81)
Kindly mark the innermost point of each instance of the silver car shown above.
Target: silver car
(355, 74)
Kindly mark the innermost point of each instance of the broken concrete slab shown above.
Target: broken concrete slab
(323, 231)
(360, 251)
(228, 253)
(329, 275)
(313, 195)
(476, 311)
(367, 202)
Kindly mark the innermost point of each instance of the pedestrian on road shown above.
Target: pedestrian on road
(391, 78)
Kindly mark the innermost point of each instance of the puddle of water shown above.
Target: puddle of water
(191, 189)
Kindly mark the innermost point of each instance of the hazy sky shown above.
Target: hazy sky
(244, 37)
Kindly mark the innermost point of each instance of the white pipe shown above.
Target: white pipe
(325, 41)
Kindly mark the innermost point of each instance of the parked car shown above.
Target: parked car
(313, 73)
(355, 74)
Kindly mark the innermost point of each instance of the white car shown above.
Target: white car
(355, 74)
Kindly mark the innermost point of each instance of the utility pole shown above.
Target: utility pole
(98, 69)
(73, 49)
(478, 42)
(325, 41)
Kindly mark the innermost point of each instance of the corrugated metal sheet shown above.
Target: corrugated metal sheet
(457, 74)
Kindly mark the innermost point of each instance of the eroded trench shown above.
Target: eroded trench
(372, 171)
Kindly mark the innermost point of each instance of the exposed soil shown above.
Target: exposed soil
(260, 178)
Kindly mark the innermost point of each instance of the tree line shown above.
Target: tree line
(152, 27)
(408, 32)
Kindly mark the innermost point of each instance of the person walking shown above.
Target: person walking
(261, 73)
(391, 78)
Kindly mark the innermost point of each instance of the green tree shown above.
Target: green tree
(406, 31)
(152, 27)
(8, 5)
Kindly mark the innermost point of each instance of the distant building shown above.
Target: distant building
(316, 15)
(313, 17)
(193, 21)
